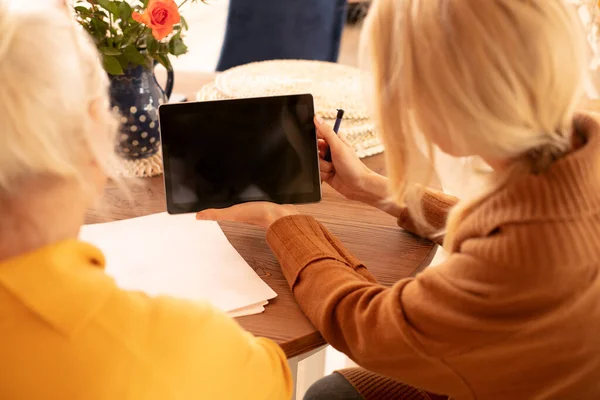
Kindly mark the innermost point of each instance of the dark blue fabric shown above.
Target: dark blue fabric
(259, 30)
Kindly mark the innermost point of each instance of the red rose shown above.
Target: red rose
(160, 16)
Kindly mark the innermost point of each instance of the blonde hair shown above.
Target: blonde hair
(497, 78)
(52, 77)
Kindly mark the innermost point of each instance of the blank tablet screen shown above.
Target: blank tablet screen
(220, 153)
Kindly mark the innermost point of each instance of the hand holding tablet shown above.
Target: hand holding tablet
(221, 153)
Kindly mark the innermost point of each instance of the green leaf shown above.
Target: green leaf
(163, 48)
(151, 45)
(84, 11)
(99, 28)
(164, 61)
(177, 30)
(131, 33)
(184, 23)
(110, 6)
(112, 65)
(123, 61)
(110, 51)
(133, 55)
(125, 11)
(176, 46)
(101, 15)
(114, 9)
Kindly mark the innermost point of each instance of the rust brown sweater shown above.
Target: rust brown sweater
(514, 313)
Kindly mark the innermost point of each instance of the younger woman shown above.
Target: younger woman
(514, 313)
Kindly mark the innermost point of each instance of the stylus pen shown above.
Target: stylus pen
(336, 128)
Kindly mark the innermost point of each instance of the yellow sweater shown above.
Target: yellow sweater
(67, 332)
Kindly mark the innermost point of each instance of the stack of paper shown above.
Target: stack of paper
(176, 255)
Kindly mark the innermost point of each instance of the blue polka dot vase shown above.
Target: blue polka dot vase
(136, 95)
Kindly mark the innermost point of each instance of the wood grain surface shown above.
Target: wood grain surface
(372, 235)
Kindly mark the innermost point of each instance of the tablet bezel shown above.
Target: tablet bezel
(293, 198)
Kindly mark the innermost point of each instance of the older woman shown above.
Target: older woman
(67, 331)
(514, 312)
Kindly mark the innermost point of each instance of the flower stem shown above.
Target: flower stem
(184, 1)
(139, 36)
(110, 27)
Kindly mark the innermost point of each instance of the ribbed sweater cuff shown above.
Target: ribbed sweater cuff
(300, 240)
(436, 206)
(373, 386)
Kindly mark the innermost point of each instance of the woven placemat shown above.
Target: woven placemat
(361, 134)
(332, 85)
(141, 168)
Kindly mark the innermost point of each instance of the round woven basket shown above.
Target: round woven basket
(332, 85)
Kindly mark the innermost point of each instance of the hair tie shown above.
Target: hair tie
(541, 158)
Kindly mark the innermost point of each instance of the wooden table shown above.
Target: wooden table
(373, 236)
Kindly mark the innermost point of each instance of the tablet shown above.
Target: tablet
(220, 153)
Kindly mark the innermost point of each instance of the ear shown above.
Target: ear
(97, 109)
(98, 113)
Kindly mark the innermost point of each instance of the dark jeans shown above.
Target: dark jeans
(259, 30)
(332, 387)
(336, 387)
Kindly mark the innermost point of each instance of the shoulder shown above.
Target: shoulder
(161, 318)
(191, 348)
(172, 335)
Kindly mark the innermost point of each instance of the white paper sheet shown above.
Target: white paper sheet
(176, 255)
(250, 310)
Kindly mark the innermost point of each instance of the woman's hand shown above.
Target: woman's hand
(262, 214)
(346, 173)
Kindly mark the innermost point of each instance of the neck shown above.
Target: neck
(578, 140)
(498, 165)
(44, 212)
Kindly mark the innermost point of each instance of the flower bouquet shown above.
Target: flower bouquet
(132, 37)
(129, 33)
